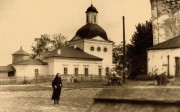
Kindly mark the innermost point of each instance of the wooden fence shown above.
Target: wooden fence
(49, 78)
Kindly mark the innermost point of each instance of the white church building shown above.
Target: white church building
(89, 53)
(164, 56)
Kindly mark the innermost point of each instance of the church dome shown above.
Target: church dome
(92, 9)
(21, 52)
(90, 31)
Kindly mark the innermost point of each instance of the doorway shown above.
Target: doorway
(177, 68)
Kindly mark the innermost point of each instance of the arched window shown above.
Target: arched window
(95, 18)
(87, 19)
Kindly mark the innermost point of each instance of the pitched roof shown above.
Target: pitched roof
(169, 44)
(43, 54)
(32, 62)
(21, 52)
(7, 69)
(70, 52)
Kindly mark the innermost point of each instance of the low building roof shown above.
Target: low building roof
(21, 52)
(169, 44)
(32, 62)
(7, 69)
(70, 52)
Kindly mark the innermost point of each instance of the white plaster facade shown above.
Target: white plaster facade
(28, 71)
(158, 59)
(57, 65)
(96, 42)
(3, 74)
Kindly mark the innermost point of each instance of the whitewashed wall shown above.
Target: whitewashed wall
(158, 59)
(106, 56)
(50, 66)
(97, 42)
(29, 70)
(3, 74)
(58, 64)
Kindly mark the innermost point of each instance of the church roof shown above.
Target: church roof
(90, 31)
(21, 52)
(92, 9)
(70, 52)
(169, 44)
(32, 62)
(7, 69)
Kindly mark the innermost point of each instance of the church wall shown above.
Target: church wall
(42, 70)
(78, 43)
(3, 74)
(165, 19)
(71, 64)
(28, 71)
(20, 70)
(158, 59)
(50, 66)
(106, 56)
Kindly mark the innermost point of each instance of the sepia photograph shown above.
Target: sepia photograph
(90, 56)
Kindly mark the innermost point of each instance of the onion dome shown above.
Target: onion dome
(91, 9)
(90, 31)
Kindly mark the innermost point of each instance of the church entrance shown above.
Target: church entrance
(177, 69)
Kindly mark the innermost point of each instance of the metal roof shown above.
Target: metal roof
(21, 52)
(32, 62)
(169, 44)
(92, 9)
(70, 52)
(7, 69)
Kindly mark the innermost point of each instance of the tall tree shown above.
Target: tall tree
(48, 42)
(136, 51)
(58, 40)
(42, 44)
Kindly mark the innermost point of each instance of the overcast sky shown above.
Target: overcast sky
(23, 20)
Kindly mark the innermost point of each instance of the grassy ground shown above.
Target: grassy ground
(76, 97)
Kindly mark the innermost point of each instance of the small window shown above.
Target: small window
(95, 18)
(87, 18)
(36, 72)
(65, 71)
(86, 71)
(100, 71)
(92, 48)
(98, 49)
(107, 71)
(76, 71)
(105, 49)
